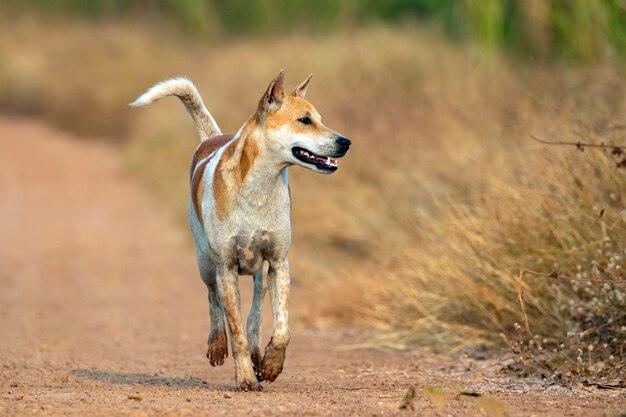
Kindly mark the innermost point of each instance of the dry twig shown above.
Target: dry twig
(579, 144)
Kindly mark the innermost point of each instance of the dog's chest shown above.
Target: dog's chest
(247, 252)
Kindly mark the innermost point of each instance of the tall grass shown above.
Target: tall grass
(442, 200)
(579, 30)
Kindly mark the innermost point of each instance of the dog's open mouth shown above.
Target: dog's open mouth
(323, 163)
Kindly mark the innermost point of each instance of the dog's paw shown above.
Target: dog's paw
(218, 348)
(272, 363)
(255, 356)
(247, 386)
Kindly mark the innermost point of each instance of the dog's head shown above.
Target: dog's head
(294, 131)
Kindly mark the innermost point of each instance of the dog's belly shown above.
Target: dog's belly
(249, 251)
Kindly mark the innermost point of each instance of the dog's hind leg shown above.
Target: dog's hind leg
(255, 321)
(217, 344)
(228, 287)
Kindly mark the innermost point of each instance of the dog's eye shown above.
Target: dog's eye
(305, 120)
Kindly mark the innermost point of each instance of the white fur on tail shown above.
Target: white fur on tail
(188, 94)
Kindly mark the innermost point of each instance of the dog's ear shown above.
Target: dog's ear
(300, 90)
(274, 96)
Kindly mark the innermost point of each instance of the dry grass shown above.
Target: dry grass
(443, 199)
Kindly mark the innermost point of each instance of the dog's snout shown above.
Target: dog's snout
(343, 142)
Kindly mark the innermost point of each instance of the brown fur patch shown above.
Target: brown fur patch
(206, 148)
(248, 154)
(220, 192)
(237, 170)
(197, 171)
(197, 191)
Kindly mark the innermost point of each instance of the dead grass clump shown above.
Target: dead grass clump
(591, 348)
(460, 283)
(452, 278)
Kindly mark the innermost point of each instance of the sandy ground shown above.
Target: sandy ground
(102, 313)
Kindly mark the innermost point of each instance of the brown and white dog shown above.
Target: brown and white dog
(239, 213)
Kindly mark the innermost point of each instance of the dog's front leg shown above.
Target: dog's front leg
(228, 286)
(278, 283)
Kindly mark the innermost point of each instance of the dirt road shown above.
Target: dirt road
(102, 313)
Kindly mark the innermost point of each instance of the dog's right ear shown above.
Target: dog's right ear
(273, 97)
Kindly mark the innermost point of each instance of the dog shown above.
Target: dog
(239, 213)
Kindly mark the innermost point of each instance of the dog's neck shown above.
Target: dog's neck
(261, 179)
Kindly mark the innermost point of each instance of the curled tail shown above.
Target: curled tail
(188, 94)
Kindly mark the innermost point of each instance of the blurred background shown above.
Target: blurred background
(419, 238)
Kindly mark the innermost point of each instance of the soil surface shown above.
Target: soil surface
(102, 312)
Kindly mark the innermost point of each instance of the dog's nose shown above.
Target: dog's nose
(345, 142)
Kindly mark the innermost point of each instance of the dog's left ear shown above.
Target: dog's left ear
(274, 96)
(300, 90)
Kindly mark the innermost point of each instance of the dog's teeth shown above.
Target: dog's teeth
(328, 161)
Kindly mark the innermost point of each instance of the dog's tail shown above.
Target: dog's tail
(188, 94)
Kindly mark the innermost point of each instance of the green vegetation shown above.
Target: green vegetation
(578, 30)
